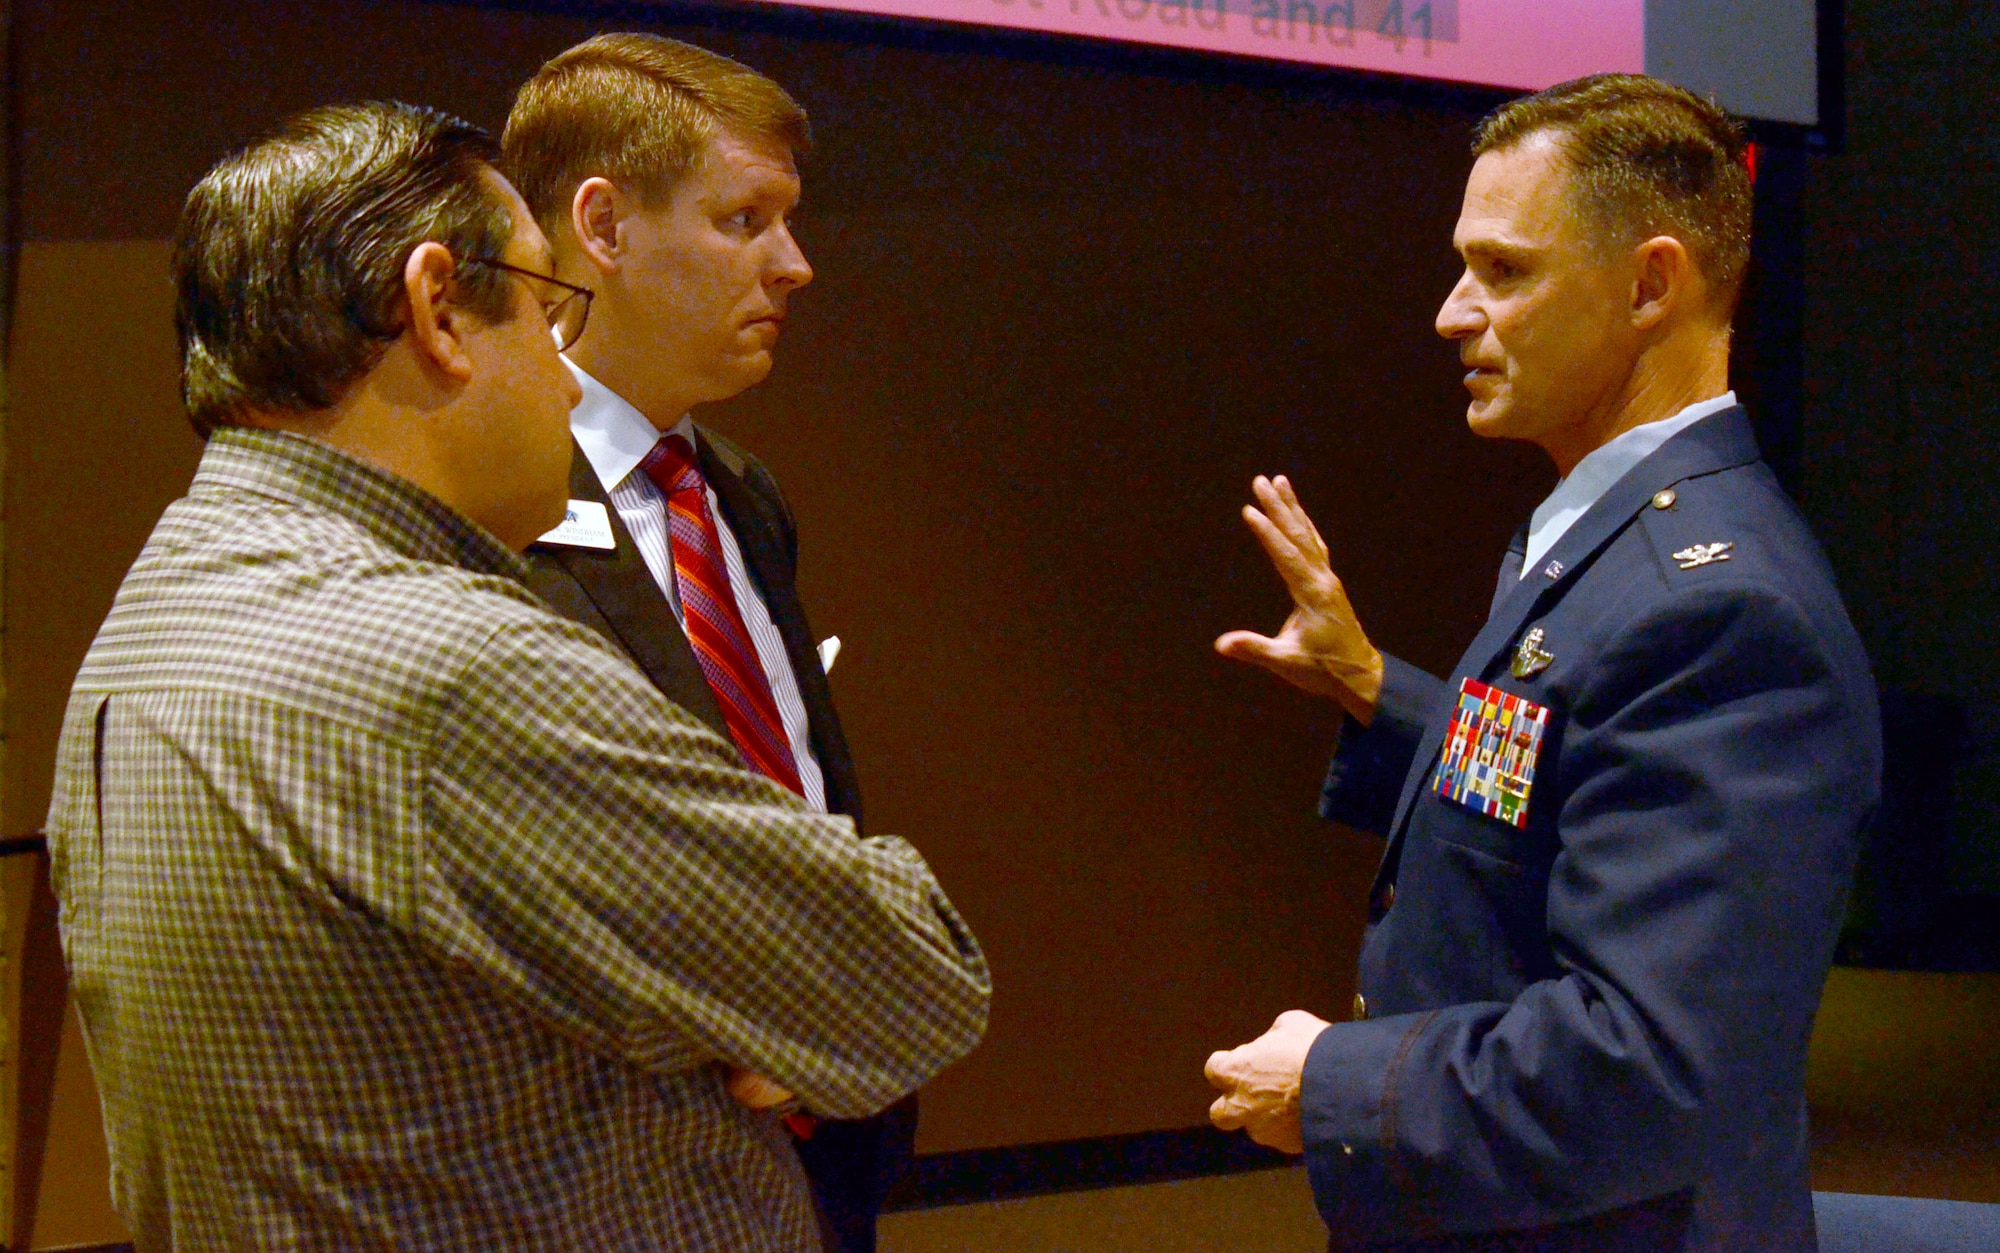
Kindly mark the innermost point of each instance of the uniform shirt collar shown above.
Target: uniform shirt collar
(612, 433)
(1594, 475)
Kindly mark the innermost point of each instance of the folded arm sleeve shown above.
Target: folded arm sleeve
(1714, 776)
(597, 853)
(1365, 779)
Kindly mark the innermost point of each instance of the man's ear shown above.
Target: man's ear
(596, 212)
(437, 322)
(1665, 279)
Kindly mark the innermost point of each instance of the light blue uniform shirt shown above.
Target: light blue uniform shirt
(1594, 475)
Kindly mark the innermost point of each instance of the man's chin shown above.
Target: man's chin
(1488, 419)
(742, 374)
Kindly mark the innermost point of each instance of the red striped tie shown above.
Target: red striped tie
(714, 624)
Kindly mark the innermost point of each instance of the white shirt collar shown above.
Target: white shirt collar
(1593, 476)
(613, 434)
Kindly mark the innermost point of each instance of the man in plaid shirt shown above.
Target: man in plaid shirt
(401, 912)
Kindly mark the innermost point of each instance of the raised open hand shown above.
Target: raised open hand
(1321, 648)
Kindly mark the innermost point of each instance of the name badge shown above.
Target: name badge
(1490, 749)
(586, 525)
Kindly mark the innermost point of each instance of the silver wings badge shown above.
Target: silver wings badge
(1702, 554)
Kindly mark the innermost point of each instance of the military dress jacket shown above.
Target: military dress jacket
(1588, 1030)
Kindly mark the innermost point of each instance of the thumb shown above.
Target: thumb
(1248, 646)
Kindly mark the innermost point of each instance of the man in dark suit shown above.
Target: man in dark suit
(665, 179)
(1620, 835)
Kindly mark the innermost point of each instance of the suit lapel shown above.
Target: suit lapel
(621, 587)
(1720, 442)
(756, 537)
(768, 556)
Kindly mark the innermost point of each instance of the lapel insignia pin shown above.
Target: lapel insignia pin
(1664, 498)
(1702, 554)
(1553, 570)
(1530, 659)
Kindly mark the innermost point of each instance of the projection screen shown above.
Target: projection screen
(1757, 57)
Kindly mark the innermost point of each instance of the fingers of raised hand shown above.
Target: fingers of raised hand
(1279, 506)
(1282, 503)
(1304, 573)
(1306, 525)
(1270, 534)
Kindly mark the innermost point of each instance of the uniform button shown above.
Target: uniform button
(1360, 1008)
(1664, 498)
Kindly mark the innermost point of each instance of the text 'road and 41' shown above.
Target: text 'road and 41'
(1334, 21)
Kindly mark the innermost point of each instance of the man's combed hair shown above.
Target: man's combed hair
(639, 110)
(288, 259)
(1646, 158)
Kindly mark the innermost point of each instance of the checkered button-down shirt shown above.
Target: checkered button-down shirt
(405, 914)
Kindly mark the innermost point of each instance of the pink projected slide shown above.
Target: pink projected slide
(1527, 44)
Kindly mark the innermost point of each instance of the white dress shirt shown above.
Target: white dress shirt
(1593, 476)
(615, 437)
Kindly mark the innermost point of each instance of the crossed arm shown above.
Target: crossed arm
(607, 860)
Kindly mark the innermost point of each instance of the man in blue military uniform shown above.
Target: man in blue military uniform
(1620, 835)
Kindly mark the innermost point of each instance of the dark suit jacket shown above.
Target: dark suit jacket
(614, 592)
(850, 1164)
(1592, 1032)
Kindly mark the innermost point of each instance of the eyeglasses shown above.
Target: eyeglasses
(566, 312)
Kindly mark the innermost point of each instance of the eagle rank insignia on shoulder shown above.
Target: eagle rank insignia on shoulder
(1702, 554)
(1490, 750)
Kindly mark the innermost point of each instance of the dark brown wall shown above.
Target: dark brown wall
(1902, 423)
